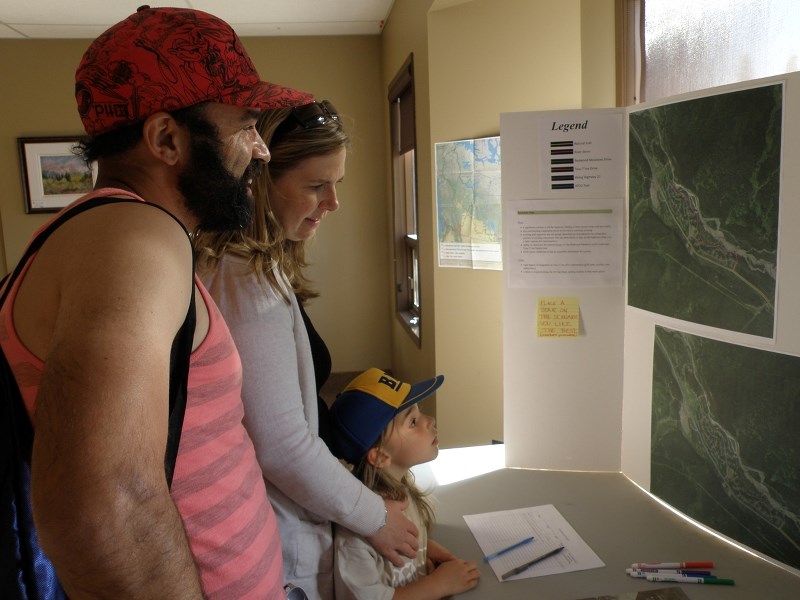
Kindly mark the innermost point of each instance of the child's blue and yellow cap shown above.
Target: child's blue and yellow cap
(363, 410)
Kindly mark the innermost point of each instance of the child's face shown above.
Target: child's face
(412, 440)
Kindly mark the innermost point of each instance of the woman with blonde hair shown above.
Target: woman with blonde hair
(256, 276)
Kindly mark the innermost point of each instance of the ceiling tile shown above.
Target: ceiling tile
(89, 18)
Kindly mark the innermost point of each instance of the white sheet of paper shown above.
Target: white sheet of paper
(565, 243)
(496, 530)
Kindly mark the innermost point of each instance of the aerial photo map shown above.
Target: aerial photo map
(724, 443)
(704, 179)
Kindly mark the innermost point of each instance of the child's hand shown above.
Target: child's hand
(456, 576)
(453, 576)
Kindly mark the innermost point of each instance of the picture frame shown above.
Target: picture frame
(53, 176)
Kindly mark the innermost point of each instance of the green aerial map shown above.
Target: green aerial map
(724, 445)
(704, 179)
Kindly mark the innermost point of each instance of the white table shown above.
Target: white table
(620, 522)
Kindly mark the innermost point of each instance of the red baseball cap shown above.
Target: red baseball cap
(166, 59)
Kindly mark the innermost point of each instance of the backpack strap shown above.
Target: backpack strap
(181, 346)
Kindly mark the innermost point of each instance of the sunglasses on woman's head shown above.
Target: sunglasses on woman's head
(307, 116)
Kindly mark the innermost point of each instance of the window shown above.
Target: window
(713, 43)
(404, 177)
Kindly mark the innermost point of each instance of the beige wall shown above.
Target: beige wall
(598, 53)
(38, 76)
(349, 255)
(485, 57)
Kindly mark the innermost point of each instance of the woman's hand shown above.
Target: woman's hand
(399, 537)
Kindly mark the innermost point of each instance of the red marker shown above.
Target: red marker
(674, 565)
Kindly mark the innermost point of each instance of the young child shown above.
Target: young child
(379, 429)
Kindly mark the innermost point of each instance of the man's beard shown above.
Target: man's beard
(218, 200)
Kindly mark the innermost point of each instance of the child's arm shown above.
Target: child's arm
(437, 554)
(451, 577)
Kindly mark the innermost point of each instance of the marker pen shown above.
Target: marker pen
(640, 573)
(683, 579)
(675, 565)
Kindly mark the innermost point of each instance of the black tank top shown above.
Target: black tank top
(321, 358)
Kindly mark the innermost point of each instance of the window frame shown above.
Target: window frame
(408, 305)
(629, 68)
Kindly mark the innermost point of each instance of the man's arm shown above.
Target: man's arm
(101, 503)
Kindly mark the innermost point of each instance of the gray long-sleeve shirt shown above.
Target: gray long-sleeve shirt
(307, 485)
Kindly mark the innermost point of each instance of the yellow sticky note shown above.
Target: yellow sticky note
(557, 316)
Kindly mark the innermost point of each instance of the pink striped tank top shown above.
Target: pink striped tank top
(217, 484)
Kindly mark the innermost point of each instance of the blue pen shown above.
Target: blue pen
(494, 555)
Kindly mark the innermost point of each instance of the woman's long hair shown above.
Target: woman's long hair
(263, 242)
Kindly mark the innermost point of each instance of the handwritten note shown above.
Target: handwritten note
(557, 317)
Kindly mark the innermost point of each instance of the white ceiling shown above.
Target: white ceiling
(43, 19)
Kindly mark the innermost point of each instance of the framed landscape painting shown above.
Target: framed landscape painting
(53, 176)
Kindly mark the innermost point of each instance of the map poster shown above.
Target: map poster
(565, 243)
(704, 185)
(724, 443)
(468, 203)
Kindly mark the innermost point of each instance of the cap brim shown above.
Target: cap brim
(420, 391)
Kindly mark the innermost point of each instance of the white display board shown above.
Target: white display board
(563, 397)
(585, 403)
